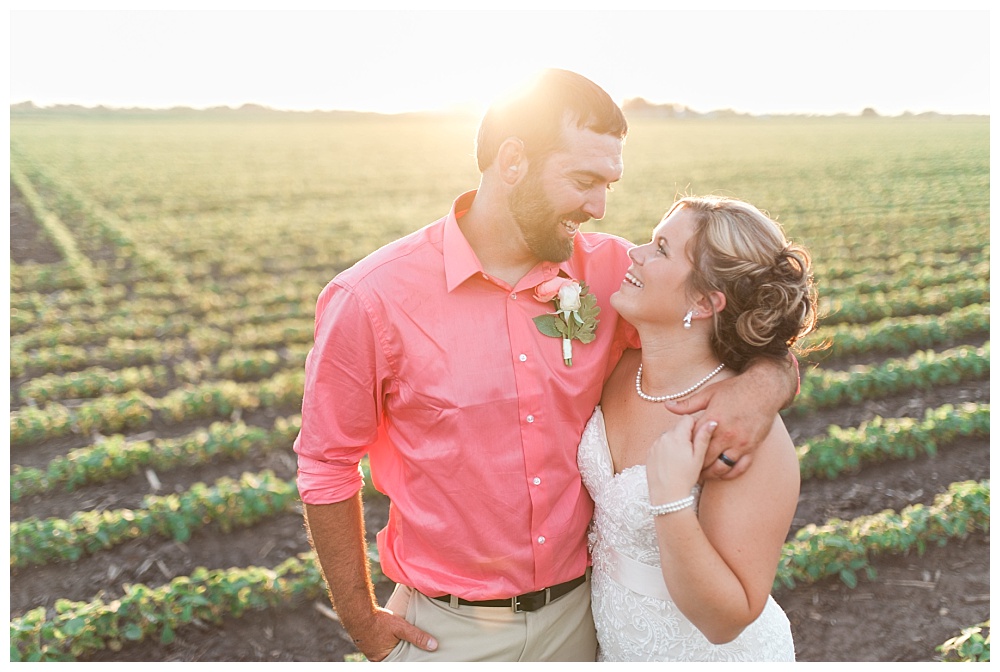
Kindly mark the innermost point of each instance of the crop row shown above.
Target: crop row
(94, 382)
(136, 323)
(199, 341)
(933, 247)
(118, 353)
(933, 301)
(921, 371)
(210, 340)
(140, 325)
(137, 410)
(899, 334)
(918, 277)
(844, 450)
(80, 628)
(237, 365)
(843, 547)
(116, 457)
(229, 504)
(38, 278)
(145, 304)
(39, 304)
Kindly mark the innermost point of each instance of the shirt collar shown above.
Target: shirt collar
(461, 262)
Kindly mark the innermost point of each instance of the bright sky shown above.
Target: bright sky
(753, 61)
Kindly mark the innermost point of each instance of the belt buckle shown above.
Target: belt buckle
(532, 603)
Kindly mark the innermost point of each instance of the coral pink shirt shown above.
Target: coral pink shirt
(469, 416)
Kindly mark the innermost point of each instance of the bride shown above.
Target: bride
(683, 566)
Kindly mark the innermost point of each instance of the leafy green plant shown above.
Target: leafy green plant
(921, 371)
(898, 334)
(228, 504)
(844, 450)
(931, 301)
(971, 646)
(915, 276)
(844, 548)
(117, 458)
(135, 410)
(79, 628)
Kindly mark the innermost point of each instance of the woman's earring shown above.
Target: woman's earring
(687, 319)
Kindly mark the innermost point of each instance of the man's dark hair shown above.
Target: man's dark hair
(536, 115)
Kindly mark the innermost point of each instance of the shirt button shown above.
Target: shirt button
(530, 418)
(523, 358)
(536, 480)
(541, 540)
(514, 296)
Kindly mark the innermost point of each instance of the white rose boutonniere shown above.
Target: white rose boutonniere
(575, 315)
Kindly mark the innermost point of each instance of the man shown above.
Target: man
(427, 358)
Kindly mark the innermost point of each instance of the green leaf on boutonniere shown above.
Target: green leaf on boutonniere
(548, 325)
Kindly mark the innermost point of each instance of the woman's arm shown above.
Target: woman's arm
(719, 564)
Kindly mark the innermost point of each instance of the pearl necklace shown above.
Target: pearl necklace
(670, 397)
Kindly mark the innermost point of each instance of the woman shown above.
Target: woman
(683, 568)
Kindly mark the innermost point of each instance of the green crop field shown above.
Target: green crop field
(164, 268)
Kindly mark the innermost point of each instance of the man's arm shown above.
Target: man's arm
(329, 447)
(337, 534)
(744, 406)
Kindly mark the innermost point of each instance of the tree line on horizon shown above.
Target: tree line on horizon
(633, 107)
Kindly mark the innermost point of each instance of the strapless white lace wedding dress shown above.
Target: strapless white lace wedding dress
(635, 617)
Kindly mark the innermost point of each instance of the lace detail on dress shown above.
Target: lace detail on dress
(634, 626)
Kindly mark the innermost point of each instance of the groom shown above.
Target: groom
(428, 359)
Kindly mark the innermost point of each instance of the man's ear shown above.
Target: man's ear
(511, 161)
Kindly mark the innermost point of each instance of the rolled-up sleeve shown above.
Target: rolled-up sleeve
(341, 406)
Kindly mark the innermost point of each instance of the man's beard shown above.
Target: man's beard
(539, 223)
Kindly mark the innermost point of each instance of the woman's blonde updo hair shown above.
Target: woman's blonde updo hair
(771, 301)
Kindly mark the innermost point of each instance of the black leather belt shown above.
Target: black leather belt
(526, 602)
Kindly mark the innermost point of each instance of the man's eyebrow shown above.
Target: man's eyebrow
(593, 174)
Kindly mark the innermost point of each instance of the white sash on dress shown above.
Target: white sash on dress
(636, 576)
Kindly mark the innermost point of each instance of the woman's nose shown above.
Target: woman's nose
(638, 253)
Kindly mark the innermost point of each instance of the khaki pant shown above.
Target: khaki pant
(562, 630)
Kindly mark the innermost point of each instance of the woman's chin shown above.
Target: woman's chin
(621, 304)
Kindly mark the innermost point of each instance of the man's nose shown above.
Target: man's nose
(597, 203)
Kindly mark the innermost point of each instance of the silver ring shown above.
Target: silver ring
(726, 461)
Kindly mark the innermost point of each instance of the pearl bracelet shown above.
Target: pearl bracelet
(671, 507)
